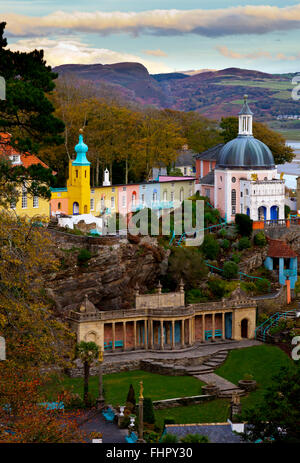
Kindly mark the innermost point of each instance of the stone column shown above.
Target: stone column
(233, 327)
(223, 325)
(113, 336)
(134, 334)
(145, 335)
(161, 335)
(190, 332)
(203, 328)
(173, 334)
(213, 326)
(168, 333)
(124, 336)
(151, 334)
(182, 333)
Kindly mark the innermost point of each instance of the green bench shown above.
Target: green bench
(132, 439)
(209, 334)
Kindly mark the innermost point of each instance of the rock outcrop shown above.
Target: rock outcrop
(109, 276)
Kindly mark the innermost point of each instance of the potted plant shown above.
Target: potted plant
(247, 383)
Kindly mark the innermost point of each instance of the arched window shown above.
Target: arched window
(59, 206)
(233, 202)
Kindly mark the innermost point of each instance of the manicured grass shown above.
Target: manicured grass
(116, 386)
(263, 362)
(216, 411)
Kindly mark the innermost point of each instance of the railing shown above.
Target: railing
(265, 327)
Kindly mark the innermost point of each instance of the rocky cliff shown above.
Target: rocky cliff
(109, 276)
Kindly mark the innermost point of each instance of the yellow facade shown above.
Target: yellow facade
(79, 191)
(104, 198)
(31, 207)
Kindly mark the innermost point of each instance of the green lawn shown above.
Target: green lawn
(116, 386)
(260, 361)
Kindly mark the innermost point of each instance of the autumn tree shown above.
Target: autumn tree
(272, 139)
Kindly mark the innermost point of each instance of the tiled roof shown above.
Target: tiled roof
(279, 248)
(211, 154)
(185, 158)
(7, 150)
(208, 179)
(217, 433)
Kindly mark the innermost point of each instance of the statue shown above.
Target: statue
(254, 177)
(141, 390)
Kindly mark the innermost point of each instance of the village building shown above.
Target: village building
(162, 321)
(243, 179)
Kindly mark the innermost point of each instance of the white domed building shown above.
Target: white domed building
(245, 176)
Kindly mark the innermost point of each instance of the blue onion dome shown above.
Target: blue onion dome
(81, 149)
(245, 152)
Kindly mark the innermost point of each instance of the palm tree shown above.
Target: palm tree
(87, 352)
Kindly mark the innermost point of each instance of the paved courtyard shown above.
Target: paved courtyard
(111, 433)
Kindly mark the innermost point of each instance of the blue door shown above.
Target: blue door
(228, 325)
(248, 211)
(274, 213)
(177, 332)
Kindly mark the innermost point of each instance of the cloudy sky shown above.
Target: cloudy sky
(164, 35)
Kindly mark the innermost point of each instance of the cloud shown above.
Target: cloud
(238, 20)
(225, 51)
(157, 52)
(70, 50)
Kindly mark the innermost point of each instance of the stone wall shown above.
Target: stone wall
(107, 368)
(181, 401)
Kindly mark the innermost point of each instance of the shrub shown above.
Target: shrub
(151, 437)
(244, 243)
(149, 416)
(225, 244)
(195, 295)
(194, 439)
(125, 422)
(217, 287)
(83, 257)
(230, 270)
(260, 239)
(186, 263)
(210, 247)
(236, 257)
(222, 233)
(169, 439)
(263, 286)
(287, 211)
(131, 396)
(169, 420)
(243, 224)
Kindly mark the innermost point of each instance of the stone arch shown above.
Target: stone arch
(274, 212)
(245, 328)
(91, 336)
(262, 213)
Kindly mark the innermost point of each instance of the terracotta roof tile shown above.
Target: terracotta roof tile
(279, 248)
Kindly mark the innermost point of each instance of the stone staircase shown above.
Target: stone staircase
(209, 365)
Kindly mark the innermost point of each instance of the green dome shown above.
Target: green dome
(245, 152)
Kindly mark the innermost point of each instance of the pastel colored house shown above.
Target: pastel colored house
(26, 205)
(283, 259)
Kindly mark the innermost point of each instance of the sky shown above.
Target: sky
(164, 35)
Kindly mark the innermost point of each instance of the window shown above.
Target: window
(13, 205)
(85, 173)
(221, 178)
(59, 195)
(233, 202)
(123, 201)
(184, 170)
(113, 189)
(207, 193)
(112, 202)
(209, 166)
(191, 192)
(24, 198)
(165, 196)
(124, 188)
(92, 204)
(241, 194)
(143, 199)
(59, 206)
(154, 196)
(172, 184)
(92, 191)
(172, 195)
(247, 191)
(181, 195)
(76, 173)
(35, 201)
(233, 179)
(15, 159)
(133, 198)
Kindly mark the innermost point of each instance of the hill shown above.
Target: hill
(212, 93)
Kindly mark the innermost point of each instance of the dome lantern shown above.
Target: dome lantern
(245, 119)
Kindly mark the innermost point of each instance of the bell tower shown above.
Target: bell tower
(79, 180)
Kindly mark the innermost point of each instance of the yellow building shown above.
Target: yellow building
(31, 206)
(104, 198)
(78, 184)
